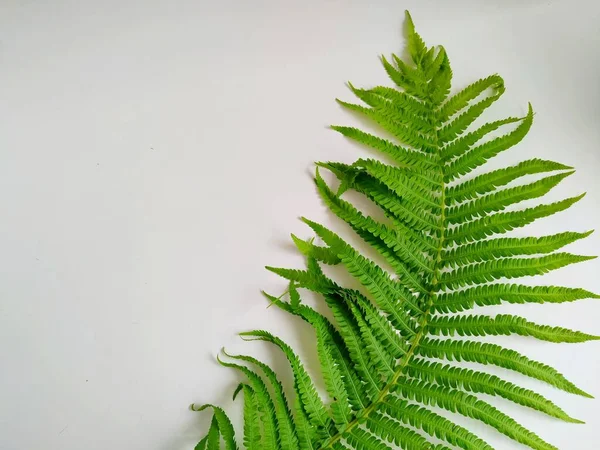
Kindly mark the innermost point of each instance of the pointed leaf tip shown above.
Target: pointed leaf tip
(529, 109)
(248, 336)
(237, 390)
(409, 19)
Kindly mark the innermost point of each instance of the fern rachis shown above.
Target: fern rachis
(385, 356)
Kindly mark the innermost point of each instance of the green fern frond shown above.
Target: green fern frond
(503, 324)
(501, 199)
(391, 352)
(252, 430)
(265, 404)
(504, 247)
(484, 353)
(312, 403)
(477, 156)
(457, 126)
(461, 99)
(460, 145)
(495, 294)
(502, 222)
(283, 418)
(487, 271)
(220, 426)
(490, 181)
(481, 382)
(432, 423)
(469, 406)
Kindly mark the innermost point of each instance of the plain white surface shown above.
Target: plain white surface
(156, 155)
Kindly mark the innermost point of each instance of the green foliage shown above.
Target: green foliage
(392, 350)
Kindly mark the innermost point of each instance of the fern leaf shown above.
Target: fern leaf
(465, 142)
(500, 200)
(213, 439)
(308, 435)
(333, 343)
(433, 424)
(266, 407)
(305, 278)
(222, 425)
(340, 407)
(439, 86)
(338, 446)
(414, 75)
(322, 254)
(457, 126)
(311, 401)
(503, 324)
(373, 278)
(352, 337)
(381, 327)
(484, 353)
(480, 382)
(252, 432)
(400, 115)
(285, 423)
(363, 440)
(416, 46)
(294, 296)
(353, 391)
(399, 435)
(389, 122)
(380, 357)
(469, 406)
(383, 367)
(505, 247)
(479, 273)
(506, 221)
(202, 444)
(403, 185)
(396, 76)
(404, 157)
(488, 182)
(437, 63)
(333, 363)
(477, 156)
(401, 100)
(495, 294)
(386, 199)
(404, 258)
(461, 100)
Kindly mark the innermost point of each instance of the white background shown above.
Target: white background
(155, 155)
